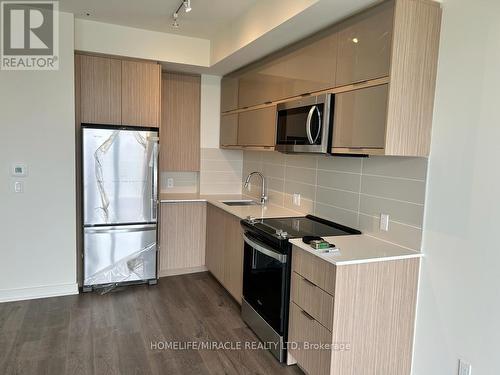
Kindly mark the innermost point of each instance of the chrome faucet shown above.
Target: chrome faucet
(263, 196)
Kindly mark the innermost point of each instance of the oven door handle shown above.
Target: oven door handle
(261, 248)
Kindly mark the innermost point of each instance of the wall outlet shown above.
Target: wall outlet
(464, 368)
(170, 182)
(296, 199)
(384, 222)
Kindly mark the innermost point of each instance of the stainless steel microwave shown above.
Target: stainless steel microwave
(305, 125)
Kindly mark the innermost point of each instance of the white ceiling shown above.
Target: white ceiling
(205, 20)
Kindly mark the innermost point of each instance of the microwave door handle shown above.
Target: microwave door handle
(319, 125)
(308, 124)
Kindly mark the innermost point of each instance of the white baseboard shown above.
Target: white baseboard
(21, 294)
(181, 271)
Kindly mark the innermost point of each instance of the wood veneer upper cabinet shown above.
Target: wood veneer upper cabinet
(229, 93)
(180, 122)
(360, 118)
(364, 51)
(417, 25)
(257, 127)
(140, 93)
(100, 90)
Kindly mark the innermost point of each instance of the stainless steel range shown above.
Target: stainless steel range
(267, 269)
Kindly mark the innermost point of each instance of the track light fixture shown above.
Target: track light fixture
(187, 8)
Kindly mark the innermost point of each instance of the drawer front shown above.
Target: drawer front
(314, 269)
(312, 299)
(305, 334)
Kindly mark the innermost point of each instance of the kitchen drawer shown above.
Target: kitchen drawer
(312, 299)
(305, 335)
(314, 269)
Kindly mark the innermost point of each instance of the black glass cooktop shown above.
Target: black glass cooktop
(298, 227)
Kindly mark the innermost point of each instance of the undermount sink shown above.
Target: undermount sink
(245, 202)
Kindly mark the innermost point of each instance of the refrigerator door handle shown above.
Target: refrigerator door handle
(154, 179)
(121, 228)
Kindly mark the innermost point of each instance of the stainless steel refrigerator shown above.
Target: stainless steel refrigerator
(120, 195)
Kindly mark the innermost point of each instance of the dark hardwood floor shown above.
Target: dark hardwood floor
(115, 333)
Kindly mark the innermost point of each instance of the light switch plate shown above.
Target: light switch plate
(384, 222)
(464, 368)
(170, 182)
(18, 187)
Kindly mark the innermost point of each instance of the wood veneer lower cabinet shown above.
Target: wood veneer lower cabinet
(182, 238)
(373, 316)
(224, 254)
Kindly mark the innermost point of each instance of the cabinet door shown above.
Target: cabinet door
(214, 257)
(303, 68)
(180, 124)
(229, 130)
(257, 127)
(365, 45)
(100, 80)
(229, 94)
(259, 86)
(141, 93)
(233, 257)
(182, 237)
(360, 118)
(310, 67)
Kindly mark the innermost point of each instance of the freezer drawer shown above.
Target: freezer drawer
(117, 254)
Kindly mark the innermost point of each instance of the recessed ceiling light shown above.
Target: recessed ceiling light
(355, 40)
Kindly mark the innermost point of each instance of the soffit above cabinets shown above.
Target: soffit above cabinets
(236, 33)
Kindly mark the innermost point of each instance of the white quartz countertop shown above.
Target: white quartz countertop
(356, 249)
(257, 211)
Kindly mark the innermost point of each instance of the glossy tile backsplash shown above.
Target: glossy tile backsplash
(350, 191)
(220, 171)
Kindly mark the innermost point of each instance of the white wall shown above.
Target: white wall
(37, 228)
(459, 302)
(99, 37)
(210, 111)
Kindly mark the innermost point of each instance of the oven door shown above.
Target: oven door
(264, 281)
(304, 125)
